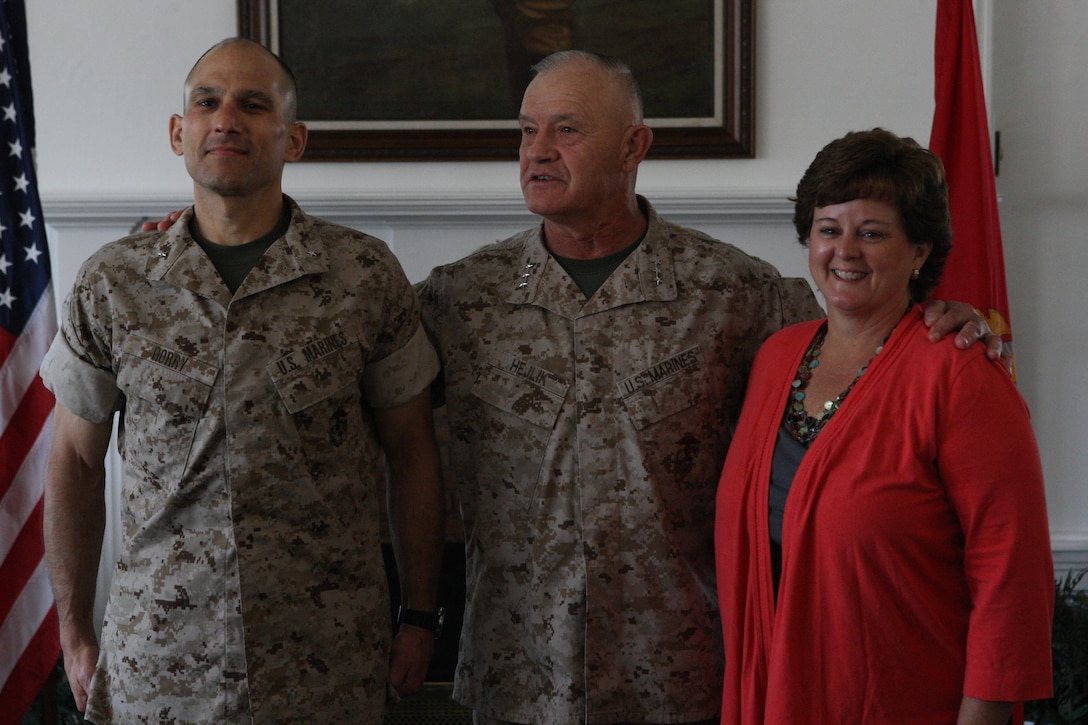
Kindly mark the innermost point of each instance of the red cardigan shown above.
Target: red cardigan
(916, 555)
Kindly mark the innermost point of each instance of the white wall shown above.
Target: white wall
(1040, 105)
(107, 74)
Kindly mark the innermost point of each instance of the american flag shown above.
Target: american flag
(29, 645)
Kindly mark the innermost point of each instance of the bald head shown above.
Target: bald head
(285, 80)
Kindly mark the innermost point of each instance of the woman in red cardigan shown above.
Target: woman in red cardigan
(882, 542)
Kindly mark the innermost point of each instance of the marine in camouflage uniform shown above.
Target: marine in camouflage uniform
(587, 441)
(250, 583)
(265, 367)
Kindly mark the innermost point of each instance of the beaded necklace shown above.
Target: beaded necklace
(803, 427)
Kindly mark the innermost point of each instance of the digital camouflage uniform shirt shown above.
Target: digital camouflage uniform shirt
(250, 587)
(587, 442)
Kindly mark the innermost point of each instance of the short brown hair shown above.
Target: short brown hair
(877, 164)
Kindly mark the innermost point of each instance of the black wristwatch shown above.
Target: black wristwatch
(424, 620)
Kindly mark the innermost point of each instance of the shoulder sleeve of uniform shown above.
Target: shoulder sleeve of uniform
(797, 301)
(465, 282)
(78, 368)
(404, 361)
(89, 392)
(428, 291)
(400, 376)
(468, 280)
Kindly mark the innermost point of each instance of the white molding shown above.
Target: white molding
(1066, 540)
(1070, 561)
(1070, 550)
(770, 207)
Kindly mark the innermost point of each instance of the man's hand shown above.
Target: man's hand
(79, 665)
(161, 225)
(943, 318)
(417, 512)
(412, 650)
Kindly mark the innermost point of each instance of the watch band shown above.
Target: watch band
(432, 621)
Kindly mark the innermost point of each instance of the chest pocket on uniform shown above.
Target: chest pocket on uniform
(522, 389)
(663, 389)
(166, 395)
(300, 384)
(175, 385)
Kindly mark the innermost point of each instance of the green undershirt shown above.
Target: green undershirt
(234, 262)
(590, 274)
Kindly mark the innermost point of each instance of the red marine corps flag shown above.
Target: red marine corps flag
(29, 645)
(975, 271)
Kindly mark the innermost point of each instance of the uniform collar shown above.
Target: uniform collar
(648, 274)
(176, 258)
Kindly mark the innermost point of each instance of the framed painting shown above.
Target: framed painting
(442, 79)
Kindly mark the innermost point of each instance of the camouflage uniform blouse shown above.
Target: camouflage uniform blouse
(250, 587)
(587, 442)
